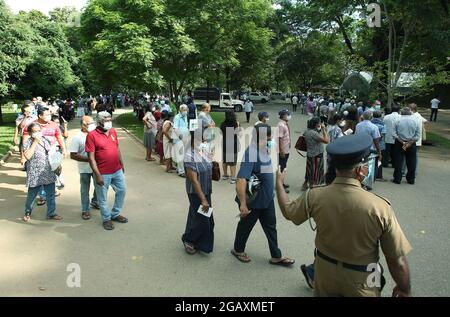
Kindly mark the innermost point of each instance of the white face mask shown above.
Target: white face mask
(153, 109)
(35, 135)
(107, 125)
(48, 118)
(342, 124)
(91, 127)
(183, 113)
(289, 118)
(267, 120)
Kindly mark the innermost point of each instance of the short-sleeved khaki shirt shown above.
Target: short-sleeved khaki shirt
(351, 222)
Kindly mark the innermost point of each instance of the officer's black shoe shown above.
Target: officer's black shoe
(309, 277)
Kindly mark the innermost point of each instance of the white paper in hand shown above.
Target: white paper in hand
(208, 214)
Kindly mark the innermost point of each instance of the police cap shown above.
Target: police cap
(350, 150)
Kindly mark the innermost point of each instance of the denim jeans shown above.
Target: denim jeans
(117, 182)
(50, 195)
(85, 185)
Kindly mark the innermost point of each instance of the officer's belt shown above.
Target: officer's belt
(359, 268)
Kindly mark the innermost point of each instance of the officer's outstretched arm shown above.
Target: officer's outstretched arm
(294, 211)
(399, 270)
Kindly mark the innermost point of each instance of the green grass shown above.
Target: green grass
(6, 138)
(218, 117)
(438, 140)
(132, 124)
(7, 129)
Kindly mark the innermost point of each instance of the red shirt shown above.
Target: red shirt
(49, 130)
(106, 149)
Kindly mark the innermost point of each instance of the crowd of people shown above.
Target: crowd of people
(360, 140)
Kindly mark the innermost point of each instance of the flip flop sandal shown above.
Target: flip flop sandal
(189, 248)
(152, 159)
(86, 215)
(27, 217)
(243, 257)
(41, 202)
(283, 262)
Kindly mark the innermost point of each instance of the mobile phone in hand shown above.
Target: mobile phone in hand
(63, 119)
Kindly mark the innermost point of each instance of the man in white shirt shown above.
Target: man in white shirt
(78, 153)
(421, 123)
(389, 125)
(434, 109)
(294, 103)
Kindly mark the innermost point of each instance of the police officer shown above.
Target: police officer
(351, 225)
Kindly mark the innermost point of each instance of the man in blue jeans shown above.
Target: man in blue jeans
(102, 147)
(78, 153)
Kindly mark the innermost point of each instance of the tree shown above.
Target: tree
(14, 53)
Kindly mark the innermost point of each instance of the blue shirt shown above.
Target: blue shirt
(380, 125)
(407, 129)
(369, 128)
(259, 163)
(180, 124)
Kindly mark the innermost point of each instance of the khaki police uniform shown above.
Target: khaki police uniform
(351, 225)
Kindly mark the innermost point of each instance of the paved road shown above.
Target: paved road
(145, 257)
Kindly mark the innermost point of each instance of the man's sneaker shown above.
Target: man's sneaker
(308, 274)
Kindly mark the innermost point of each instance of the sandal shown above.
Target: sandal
(41, 202)
(108, 225)
(189, 248)
(283, 262)
(243, 257)
(182, 175)
(27, 217)
(151, 160)
(225, 177)
(120, 219)
(55, 217)
(86, 215)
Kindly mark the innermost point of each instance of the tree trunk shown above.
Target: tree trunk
(345, 35)
(1, 113)
(227, 78)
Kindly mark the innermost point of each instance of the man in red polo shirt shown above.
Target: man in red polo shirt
(102, 147)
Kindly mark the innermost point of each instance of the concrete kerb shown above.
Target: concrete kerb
(8, 154)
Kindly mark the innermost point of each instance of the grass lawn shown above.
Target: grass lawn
(136, 127)
(438, 140)
(6, 138)
(7, 130)
(132, 124)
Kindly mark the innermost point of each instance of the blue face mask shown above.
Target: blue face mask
(269, 144)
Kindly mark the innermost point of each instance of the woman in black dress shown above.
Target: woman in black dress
(229, 130)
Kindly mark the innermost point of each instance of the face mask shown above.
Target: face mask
(267, 120)
(153, 109)
(269, 144)
(289, 118)
(342, 124)
(48, 118)
(184, 113)
(91, 127)
(107, 125)
(319, 129)
(35, 135)
(364, 177)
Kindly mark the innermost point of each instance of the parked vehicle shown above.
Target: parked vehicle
(216, 99)
(277, 96)
(258, 97)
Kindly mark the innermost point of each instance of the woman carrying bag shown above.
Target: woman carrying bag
(199, 233)
(39, 172)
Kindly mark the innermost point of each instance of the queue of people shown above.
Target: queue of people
(356, 145)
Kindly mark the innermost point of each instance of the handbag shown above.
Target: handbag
(300, 146)
(215, 171)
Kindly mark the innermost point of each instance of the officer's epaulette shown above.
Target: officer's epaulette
(388, 202)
